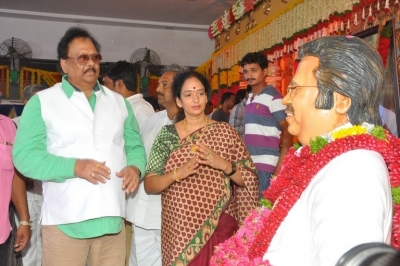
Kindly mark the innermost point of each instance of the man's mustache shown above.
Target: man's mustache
(289, 108)
(249, 79)
(90, 69)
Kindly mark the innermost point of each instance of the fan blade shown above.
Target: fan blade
(7, 54)
(23, 54)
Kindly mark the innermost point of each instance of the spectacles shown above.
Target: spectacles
(83, 58)
(292, 88)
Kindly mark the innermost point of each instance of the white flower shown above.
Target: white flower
(226, 23)
(238, 9)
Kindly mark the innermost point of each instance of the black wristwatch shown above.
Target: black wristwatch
(233, 171)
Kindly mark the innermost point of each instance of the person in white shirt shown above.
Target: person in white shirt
(121, 78)
(144, 210)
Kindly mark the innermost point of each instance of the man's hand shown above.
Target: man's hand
(130, 176)
(92, 171)
(23, 236)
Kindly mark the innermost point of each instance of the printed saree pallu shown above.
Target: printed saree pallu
(191, 209)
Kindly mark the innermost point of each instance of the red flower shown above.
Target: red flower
(210, 35)
(248, 5)
(383, 48)
(219, 25)
(231, 16)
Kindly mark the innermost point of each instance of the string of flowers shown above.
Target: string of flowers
(233, 75)
(223, 78)
(214, 82)
(5, 76)
(252, 240)
(331, 17)
(384, 43)
(235, 13)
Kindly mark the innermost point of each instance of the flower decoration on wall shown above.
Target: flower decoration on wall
(287, 30)
(384, 43)
(226, 21)
(235, 13)
(238, 9)
(248, 5)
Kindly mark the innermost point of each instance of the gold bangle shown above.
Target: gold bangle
(176, 175)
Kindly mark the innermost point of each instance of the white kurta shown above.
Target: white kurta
(346, 204)
(144, 210)
(141, 108)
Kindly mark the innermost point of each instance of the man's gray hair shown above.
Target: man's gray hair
(30, 90)
(351, 67)
(175, 68)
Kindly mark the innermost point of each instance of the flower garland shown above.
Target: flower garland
(292, 26)
(252, 240)
(384, 43)
(5, 78)
(235, 13)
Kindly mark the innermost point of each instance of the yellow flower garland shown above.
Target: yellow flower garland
(351, 131)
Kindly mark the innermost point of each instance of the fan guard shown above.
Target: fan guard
(15, 50)
(145, 55)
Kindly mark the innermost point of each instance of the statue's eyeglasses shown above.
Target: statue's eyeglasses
(292, 88)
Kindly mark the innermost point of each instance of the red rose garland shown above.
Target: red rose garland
(300, 169)
(252, 240)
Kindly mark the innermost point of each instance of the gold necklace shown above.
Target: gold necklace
(193, 148)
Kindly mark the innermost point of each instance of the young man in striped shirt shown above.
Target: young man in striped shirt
(264, 121)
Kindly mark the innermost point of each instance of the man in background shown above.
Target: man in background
(264, 121)
(209, 109)
(236, 117)
(32, 254)
(143, 210)
(121, 78)
(28, 92)
(227, 103)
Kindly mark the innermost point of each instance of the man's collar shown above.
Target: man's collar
(69, 89)
(135, 96)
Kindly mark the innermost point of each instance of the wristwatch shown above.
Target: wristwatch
(25, 223)
(233, 171)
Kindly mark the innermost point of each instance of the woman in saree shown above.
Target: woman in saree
(205, 175)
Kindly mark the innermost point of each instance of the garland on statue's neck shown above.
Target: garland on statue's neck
(248, 245)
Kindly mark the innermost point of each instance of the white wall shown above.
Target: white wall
(190, 48)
